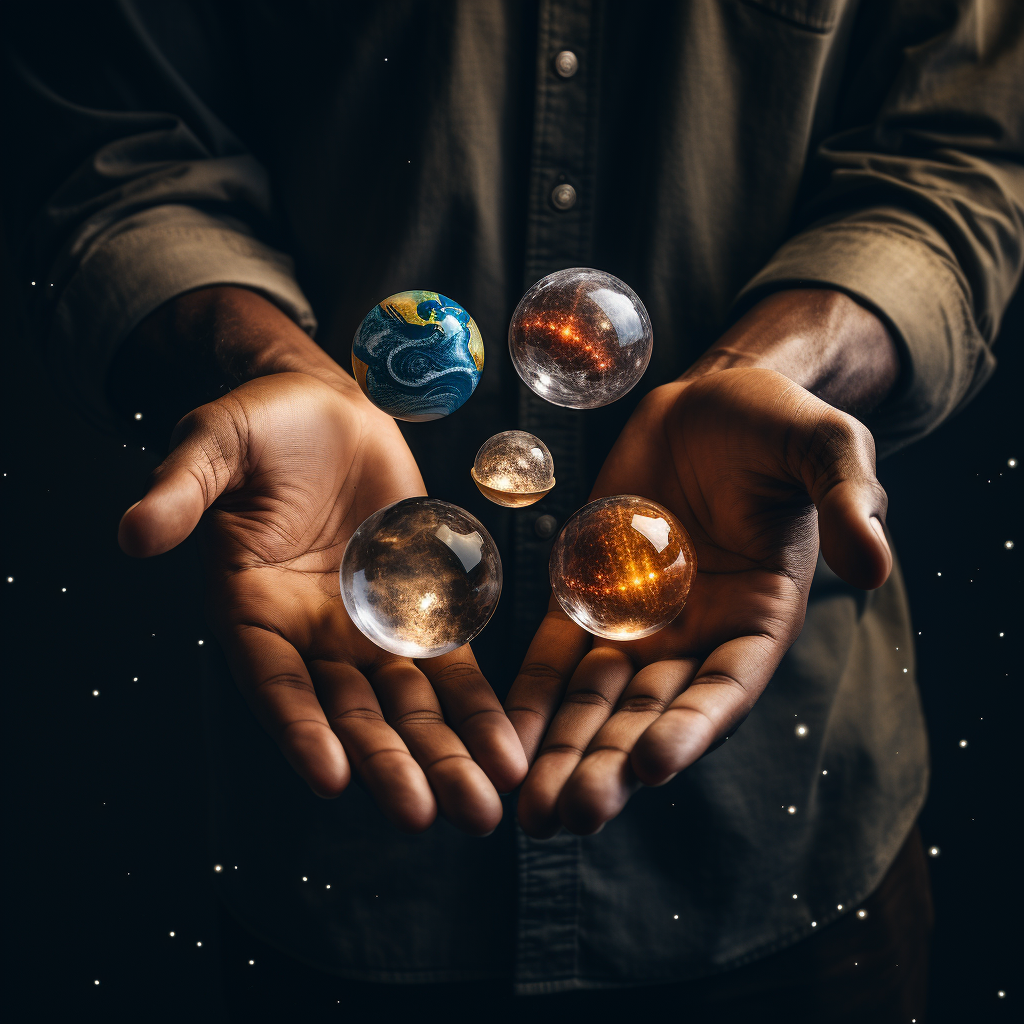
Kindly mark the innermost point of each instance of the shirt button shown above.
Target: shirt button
(563, 197)
(545, 526)
(566, 64)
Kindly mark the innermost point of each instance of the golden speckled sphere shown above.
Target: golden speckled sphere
(622, 567)
(420, 577)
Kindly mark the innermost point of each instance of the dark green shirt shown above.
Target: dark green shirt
(329, 154)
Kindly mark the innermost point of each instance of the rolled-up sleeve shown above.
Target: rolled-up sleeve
(123, 205)
(919, 215)
(139, 264)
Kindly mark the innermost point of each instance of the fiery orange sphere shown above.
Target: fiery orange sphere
(622, 567)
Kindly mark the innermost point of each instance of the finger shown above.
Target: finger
(604, 780)
(395, 781)
(589, 699)
(205, 461)
(555, 652)
(474, 712)
(719, 698)
(465, 795)
(278, 689)
(839, 474)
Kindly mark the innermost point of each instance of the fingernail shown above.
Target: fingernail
(130, 507)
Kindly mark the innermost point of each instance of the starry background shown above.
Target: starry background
(109, 870)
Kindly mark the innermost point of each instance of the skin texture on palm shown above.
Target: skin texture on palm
(281, 471)
(756, 468)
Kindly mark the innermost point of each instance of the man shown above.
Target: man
(821, 205)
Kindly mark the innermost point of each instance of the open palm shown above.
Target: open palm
(755, 468)
(283, 470)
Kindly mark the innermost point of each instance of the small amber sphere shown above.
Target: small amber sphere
(622, 567)
(513, 469)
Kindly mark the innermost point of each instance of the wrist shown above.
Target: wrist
(202, 344)
(821, 339)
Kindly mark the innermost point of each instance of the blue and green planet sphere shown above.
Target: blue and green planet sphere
(418, 355)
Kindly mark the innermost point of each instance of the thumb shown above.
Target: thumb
(850, 501)
(206, 458)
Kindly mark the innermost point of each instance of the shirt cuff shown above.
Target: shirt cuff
(899, 267)
(139, 264)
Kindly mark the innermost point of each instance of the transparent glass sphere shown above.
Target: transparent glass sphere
(580, 338)
(420, 577)
(622, 567)
(513, 469)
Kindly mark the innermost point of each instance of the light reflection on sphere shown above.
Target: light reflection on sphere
(513, 469)
(420, 577)
(622, 567)
(580, 338)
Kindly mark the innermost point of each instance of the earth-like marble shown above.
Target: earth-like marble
(418, 355)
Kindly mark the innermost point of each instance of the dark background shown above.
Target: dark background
(108, 851)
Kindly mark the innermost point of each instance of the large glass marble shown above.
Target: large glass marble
(418, 355)
(580, 338)
(513, 469)
(622, 567)
(420, 577)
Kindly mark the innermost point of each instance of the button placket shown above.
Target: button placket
(558, 236)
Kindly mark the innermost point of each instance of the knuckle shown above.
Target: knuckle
(206, 443)
(562, 748)
(525, 709)
(476, 713)
(456, 671)
(642, 703)
(359, 714)
(290, 680)
(399, 755)
(445, 757)
(829, 439)
(540, 671)
(294, 725)
(420, 716)
(838, 447)
(717, 678)
(590, 698)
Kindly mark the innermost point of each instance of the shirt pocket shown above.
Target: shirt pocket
(816, 15)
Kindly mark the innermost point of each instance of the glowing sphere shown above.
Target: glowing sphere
(622, 567)
(420, 577)
(418, 355)
(513, 469)
(580, 338)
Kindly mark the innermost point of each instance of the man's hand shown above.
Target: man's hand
(282, 470)
(755, 467)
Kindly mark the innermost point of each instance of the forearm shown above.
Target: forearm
(206, 342)
(819, 338)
